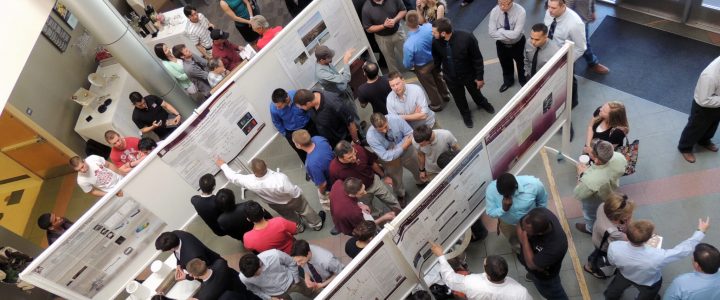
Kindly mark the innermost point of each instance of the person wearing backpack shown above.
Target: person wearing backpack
(612, 217)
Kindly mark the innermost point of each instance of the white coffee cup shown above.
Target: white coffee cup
(584, 159)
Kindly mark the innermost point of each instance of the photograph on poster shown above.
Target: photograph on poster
(528, 120)
(453, 205)
(94, 253)
(313, 33)
(301, 59)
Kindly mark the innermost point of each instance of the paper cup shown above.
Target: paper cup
(137, 290)
(584, 159)
(160, 268)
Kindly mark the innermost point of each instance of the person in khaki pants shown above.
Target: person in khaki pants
(417, 54)
(510, 198)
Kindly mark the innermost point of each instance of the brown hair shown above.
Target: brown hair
(412, 19)
(617, 117)
(618, 207)
(641, 231)
(196, 267)
(110, 134)
(75, 161)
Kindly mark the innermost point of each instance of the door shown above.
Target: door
(673, 10)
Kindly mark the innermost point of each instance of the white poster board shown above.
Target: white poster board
(99, 248)
(221, 129)
(379, 272)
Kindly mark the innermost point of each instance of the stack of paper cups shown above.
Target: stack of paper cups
(138, 291)
(160, 268)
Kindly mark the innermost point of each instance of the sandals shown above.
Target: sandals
(590, 271)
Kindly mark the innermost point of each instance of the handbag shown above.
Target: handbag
(601, 267)
(630, 151)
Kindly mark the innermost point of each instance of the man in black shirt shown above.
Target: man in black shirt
(53, 225)
(382, 18)
(205, 204)
(333, 121)
(375, 90)
(152, 113)
(543, 244)
(185, 247)
(217, 278)
(458, 54)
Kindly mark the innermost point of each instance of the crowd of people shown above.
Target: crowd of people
(352, 161)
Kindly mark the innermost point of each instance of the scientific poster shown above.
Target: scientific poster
(446, 211)
(528, 120)
(94, 253)
(376, 277)
(223, 129)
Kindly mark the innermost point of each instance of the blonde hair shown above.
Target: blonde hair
(640, 231)
(430, 10)
(302, 138)
(618, 207)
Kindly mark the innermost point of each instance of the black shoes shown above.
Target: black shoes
(468, 122)
(322, 215)
(505, 86)
(487, 107)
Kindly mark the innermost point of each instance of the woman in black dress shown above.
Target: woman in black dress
(609, 123)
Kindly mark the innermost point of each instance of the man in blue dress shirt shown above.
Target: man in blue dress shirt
(641, 265)
(701, 284)
(288, 118)
(417, 55)
(509, 198)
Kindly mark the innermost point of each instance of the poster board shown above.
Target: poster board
(99, 248)
(378, 272)
(222, 129)
(449, 208)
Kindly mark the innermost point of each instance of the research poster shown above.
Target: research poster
(223, 129)
(376, 277)
(528, 119)
(446, 211)
(328, 26)
(94, 253)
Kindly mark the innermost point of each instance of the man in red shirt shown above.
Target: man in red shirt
(124, 154)
(276, 233)
(345, 209)
(225, 50)
(260, 25)
(352, 160)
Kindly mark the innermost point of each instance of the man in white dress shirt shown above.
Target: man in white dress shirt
(277, 191)
(641, 265)
(493, 284)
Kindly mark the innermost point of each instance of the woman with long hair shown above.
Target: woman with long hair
(174, 66)
(609, 123)
(612, 218)
(430, 10)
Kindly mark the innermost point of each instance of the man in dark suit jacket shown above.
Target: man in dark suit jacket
(205, 204)
(217, 279)
(185, 247)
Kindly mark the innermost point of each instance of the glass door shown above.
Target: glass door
(673, 10)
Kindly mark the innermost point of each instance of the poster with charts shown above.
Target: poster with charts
(90, 256)
(443, 214)
(377, 276)
(528, 119)
(223, 129)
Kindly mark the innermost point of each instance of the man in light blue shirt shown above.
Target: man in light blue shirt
(390, 137)
(510, 198)
(701, 284)
(272, 274)
(641, 265)
(417, 55)
(409, 102)
(288, 118)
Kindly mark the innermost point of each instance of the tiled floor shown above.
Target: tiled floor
(668, 190)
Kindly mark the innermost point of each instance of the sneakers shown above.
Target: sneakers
(582, 228)
(322, 215)
(300, 227)
(334, 231)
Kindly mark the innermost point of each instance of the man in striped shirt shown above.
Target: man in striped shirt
(198, 31)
